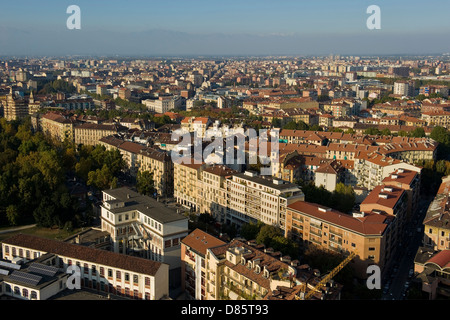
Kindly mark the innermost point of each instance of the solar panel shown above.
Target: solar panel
(27, 278)
(9, 265)
(42, 269)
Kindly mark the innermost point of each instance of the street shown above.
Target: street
(400, 275)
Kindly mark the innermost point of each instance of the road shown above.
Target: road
(17, 228)
(404, 261)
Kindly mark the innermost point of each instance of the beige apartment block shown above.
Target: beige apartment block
(365, 234)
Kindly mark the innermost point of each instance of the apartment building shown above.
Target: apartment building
(368, 235)
(16, 107)
(193, 263)
(404, 88)
(56, 126)
(100, 270)
(199, 125)
(436, 222)
(91, 133)
(391, 201)
(129, 151)
(438, 118)
(371, 168)
(432, 272)
(140, 225)
(254, 198)
(160, 164)
(242, 270)
(213, 193)
(409, 181)
(163, 104)
(186, 184)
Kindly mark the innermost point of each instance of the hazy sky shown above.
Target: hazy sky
(248, 27)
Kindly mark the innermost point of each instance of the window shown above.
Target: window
(86, 268)
(14, 252)
(430, 231)
(371, 249)
(6, 249)
(135, 279)
(147, 296)
(93, 270)
(443, 233)
(110, 273)
(175, 241)
(118, 275)
(17, 290)
(147, 281)
(33, 295)
(7, 287)
(127, 277)
(20, 252)
(167, 244)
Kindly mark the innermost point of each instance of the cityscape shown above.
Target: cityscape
(233, 177)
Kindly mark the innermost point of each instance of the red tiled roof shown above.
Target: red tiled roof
(108, 258)
(442, 259)
(200, 241)
(370, 224)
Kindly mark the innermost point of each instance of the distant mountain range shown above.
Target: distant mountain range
(16, 41)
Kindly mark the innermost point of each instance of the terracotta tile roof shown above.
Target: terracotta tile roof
(83, 253)
(386, 196)
(442, 259)
(372, 224)
(200, 241)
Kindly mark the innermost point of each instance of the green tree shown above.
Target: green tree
(250, 231)
(12, 213)
(267, 233)
(418, 132)
(144, 183)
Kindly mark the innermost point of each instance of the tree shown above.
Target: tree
(144, 183)
(250, 231)
(266, 234)
(418, 132)
(12, 214)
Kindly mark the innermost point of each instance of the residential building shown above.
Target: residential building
(409, 181)
(371, 168)
(254, 198)
(163, 104)
(16, 107)
(57, 126)
(91, 133)
(213, 197)
(432, 273)
(194, 278)
(436, 222)
(368, 235)
(242, 270)
(186, 184)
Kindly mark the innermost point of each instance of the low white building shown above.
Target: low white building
(100, 270)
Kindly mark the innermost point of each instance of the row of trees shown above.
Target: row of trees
(341, 199)
(35, 172)
(32, 177)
